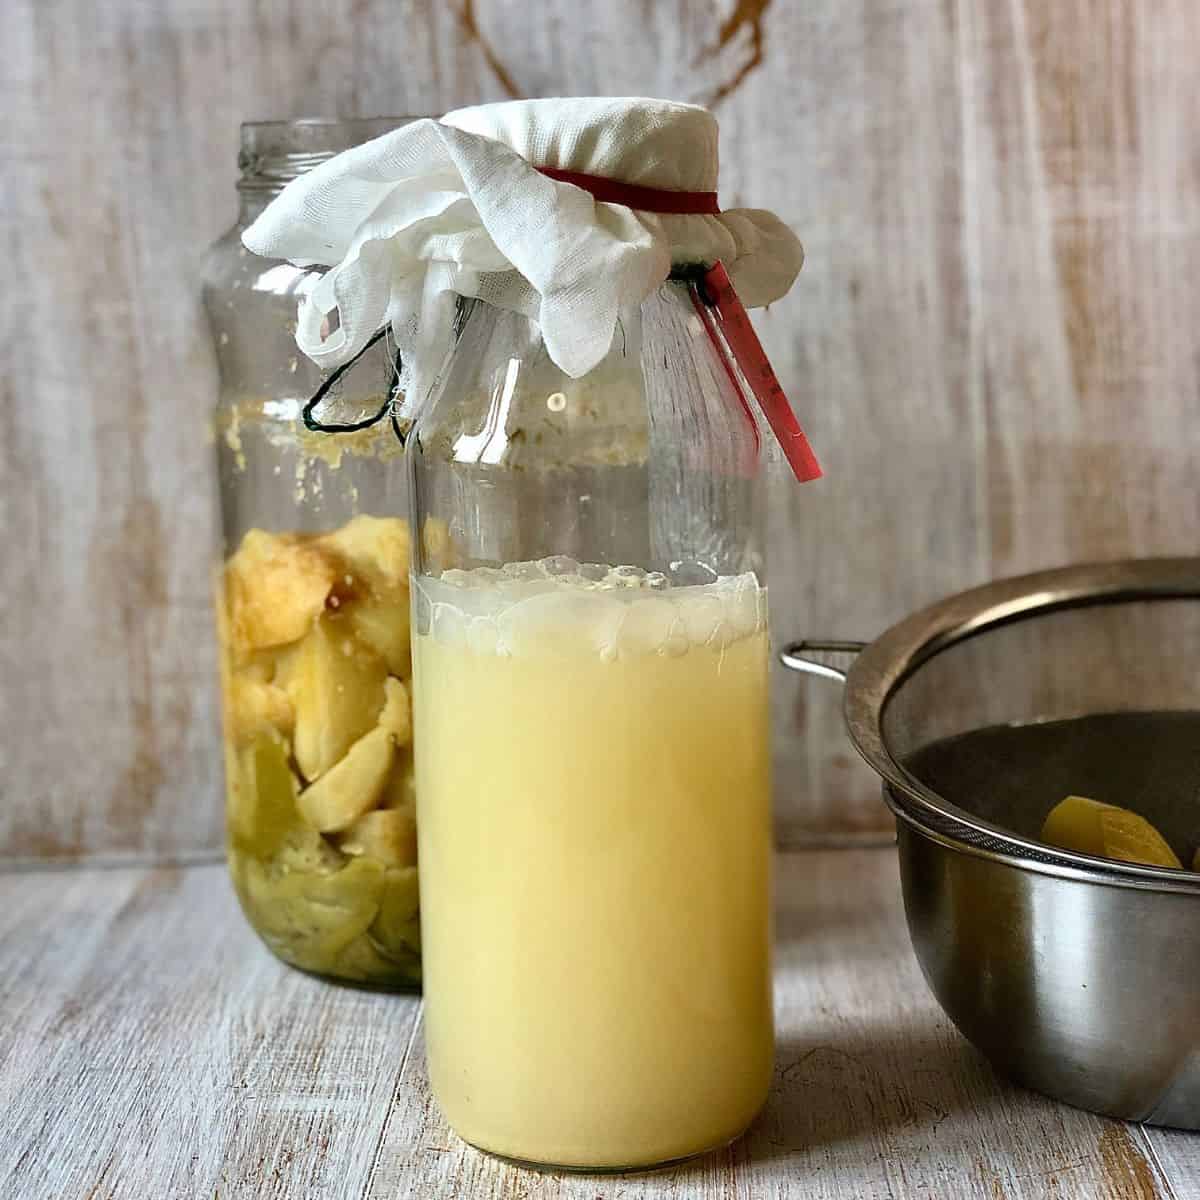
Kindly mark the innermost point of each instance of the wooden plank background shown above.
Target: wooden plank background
(994, 343)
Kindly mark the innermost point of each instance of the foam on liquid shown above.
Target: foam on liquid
(619, 612)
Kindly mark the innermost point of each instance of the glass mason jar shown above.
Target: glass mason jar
(593, 771)
(312, 604)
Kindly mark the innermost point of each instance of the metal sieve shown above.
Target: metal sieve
(1076, 975)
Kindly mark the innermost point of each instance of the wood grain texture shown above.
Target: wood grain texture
(1001, 231)
(151, 1048)
(1178, 1156)
(994, 342)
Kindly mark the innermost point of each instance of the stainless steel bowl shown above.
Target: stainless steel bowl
(1077, 976)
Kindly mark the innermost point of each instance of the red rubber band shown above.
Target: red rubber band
(632, 195)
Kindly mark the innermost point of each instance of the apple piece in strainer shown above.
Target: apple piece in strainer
(1106, 831)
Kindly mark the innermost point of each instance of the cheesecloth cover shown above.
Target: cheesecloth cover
(435, 208)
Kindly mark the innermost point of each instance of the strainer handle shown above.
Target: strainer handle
(829, 660)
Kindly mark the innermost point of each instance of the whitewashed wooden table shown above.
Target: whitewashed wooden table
(150, 1049)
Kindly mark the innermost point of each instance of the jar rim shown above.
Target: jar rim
(272, 152)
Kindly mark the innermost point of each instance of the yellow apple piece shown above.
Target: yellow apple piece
(276, 586)
(400, 791)
(1106, 831)
(256, 707)
(262, 800)
(309, 919)
(234, 787)
(381, 622)
(268, 666)
(364, 962)
(305, 850)
(387, 834)
(397, 928)
(336, 689)
(352, 786)
(373, 588)
(374, 548)
(397, 711)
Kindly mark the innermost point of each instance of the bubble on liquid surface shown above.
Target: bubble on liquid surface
(686, 573)
(560, 564)
(488, 575)
(523, 570)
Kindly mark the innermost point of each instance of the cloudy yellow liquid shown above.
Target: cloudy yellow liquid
(593, 788)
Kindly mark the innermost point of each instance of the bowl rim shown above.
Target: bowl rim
(887, 662)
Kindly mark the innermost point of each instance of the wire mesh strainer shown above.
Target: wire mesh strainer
(1109, 638)
(1075, 975)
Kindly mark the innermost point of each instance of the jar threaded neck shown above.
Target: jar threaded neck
(272, 153)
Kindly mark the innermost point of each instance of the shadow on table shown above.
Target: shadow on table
(875, 1086)
(827, 1092)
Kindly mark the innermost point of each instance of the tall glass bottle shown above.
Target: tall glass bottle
(590, 645)
(312, 605)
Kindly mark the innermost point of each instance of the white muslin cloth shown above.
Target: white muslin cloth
(435, 208)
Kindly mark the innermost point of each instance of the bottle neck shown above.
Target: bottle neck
(651, 458)
(252, 201)
(273, 153)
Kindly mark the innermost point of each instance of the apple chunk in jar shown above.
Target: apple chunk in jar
(318, 734)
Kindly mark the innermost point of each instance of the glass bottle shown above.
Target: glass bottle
(312, 606)
(593, 771)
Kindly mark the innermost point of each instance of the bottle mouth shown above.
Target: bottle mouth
(273, 152)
